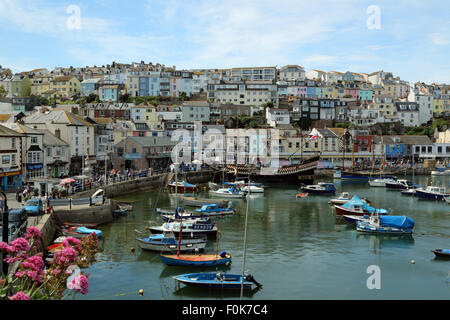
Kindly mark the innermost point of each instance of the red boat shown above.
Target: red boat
(183, 186)
(357, 207)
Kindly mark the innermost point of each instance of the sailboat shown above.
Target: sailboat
(221, 280)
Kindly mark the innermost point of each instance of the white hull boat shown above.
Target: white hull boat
(253, 189)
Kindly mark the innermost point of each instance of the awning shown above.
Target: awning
(35, 148)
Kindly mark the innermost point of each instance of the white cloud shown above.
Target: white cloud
(439, 39)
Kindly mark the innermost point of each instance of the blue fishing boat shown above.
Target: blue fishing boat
(211, 209)
(442, 253)
(320, 188)
(432, 193)
(218, 280)
(358, 207)
(354, 219)
(389, 225)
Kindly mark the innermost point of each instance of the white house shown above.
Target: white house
(276, 116)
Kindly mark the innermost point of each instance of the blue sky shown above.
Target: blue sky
(413, 40)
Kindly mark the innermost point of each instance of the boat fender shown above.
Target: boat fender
(223, 254)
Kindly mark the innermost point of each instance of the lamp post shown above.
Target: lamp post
(5, 220)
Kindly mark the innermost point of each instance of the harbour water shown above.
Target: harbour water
(295, 247)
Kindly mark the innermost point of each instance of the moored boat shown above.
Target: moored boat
(183, 186)
(252, 189)
(342, 199)
(198, 260)
(218, 280)
(388, 225)
(442, 253)
(80, 232)
(380, 182)
(232, 192)
(400, 184)
(432, 193)
(358, 207)
(409, 192)
(198, 202)
(167, 242)
(320, 188)
(191, 226)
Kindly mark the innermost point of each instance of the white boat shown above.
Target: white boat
(336, 174)
(343, 198)
(253, 189)
(380, 182)
(441, 172)
(232, 192)
(447, 199)
(167, 241)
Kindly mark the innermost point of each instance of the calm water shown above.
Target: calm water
(295, 247)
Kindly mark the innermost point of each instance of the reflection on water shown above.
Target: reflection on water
(292, 244)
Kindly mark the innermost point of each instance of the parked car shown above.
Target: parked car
(34, 207)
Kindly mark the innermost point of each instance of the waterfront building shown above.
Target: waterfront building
(56, 155)
(66, 86)
(89, 86)
(195, 111)
(32, 150)
(142, 153)
(315, 74)
(11, 158)
(73, 129)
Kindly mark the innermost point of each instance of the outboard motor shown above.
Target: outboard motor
(250, 278)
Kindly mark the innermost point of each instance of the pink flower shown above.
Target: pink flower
(33, 268)
(79, 284)
(67, 255)
(70, 241)
(33, 232)
(20, 244)
(20, 296)
(5, 247)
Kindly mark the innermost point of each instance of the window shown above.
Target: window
(5, 159)
(34, 140)
(13, 143)
(49, 152)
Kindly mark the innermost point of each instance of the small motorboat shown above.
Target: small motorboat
(400, 184)
(183, 186)
(232, 192)
(388, 225)
(354, 219)
(252, 189)
(198, 202)
(301, 195)
(80, 232)
(380, 182)
(320, 188)
(441, 253)
(218, 280)
(447, 198)
(342, 199)
(358, 207)
(441, 172)
(409, 192)
(432, 193)
(168, 242)
(191, 226)
(213, 209)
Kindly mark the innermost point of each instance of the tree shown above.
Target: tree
(124, 98)
(305, 123)
(92, 97)
(3, 92)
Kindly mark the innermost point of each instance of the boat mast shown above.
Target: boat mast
(176, 202)
(245, 236)
(343, 152)
(217, 238)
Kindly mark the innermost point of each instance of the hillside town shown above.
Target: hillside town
(54, 124)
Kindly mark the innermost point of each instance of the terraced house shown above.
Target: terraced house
(66, 87)
(11, 158)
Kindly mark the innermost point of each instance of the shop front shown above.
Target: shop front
(10, 179)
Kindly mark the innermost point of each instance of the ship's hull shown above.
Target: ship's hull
(302, 173)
